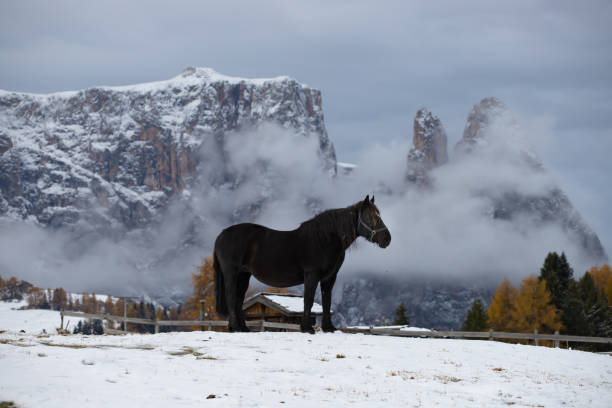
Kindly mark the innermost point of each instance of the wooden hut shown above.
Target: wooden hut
(278, 307)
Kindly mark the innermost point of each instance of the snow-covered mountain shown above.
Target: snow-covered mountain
(117, 154)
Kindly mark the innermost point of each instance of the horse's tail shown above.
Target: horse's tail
(219, 287)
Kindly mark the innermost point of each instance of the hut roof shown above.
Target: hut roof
(286, 303)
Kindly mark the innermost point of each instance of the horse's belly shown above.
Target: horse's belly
(279, 276)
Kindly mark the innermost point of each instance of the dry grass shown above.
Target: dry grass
(340, 356)
(72, 346)
(444, 379)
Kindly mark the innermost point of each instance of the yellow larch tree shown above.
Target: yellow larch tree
(502, 303)
(602, 277)
(203, 288)
(533, 308)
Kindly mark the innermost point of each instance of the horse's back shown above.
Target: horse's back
(270, 255)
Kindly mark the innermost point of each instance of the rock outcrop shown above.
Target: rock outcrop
(479, 119)
(429, 146)
(117, 154)
(488, 123)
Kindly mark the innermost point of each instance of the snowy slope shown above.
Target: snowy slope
(33, 321)
(299, 370)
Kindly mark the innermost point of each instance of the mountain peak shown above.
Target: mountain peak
(429, 140)
(207, 75)
(481, 116)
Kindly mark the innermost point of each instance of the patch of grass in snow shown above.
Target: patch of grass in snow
(445, 379)
(205, 357)
(7, 404)
(498, 369)
(190, 351)
(405, 375)
(15, 343)
(340, 356)
(73, 346)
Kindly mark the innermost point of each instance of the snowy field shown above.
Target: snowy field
(286, 369)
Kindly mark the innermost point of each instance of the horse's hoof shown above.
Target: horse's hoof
(245, 329)
(328, 329)
(308, 329)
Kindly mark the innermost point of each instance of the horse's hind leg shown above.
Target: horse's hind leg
(231, 276)
(243, 285)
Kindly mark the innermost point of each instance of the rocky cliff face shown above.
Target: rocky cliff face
(372, 300)
(479, 119)
(429, 146)
(117, 154)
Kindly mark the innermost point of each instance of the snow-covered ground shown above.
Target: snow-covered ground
(294, 369)
(33, 321)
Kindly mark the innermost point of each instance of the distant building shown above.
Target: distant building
(278, 307)
(345, 169)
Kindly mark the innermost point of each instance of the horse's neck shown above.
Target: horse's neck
(348, 233)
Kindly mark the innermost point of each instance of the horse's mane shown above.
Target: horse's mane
(337, 222)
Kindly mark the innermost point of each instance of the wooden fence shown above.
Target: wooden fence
(261, 325)
(489, 335)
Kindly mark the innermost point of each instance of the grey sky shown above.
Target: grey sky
(376, 64)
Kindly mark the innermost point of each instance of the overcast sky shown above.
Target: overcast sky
(376, 63)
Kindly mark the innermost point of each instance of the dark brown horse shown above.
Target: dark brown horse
(310, 254)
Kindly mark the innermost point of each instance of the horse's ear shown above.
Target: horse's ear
(367, 199)
(372, 200)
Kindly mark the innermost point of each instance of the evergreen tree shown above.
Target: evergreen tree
(573, 317)
(557, 273)
(598, 317)
(400, 316)
(96, 327)
(476, 319)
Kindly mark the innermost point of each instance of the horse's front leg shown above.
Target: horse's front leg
(326, 293)
(310, 286)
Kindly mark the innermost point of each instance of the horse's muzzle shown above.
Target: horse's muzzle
(384, 240)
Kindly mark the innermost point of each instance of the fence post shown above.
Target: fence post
(556, 340)
(535, 337)
(156, 326)
(62, 322)
(124, 314)
(490, 334)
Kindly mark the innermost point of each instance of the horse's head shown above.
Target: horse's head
(370, 225)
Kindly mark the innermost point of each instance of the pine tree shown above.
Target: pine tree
(476, 318)
(573, 317)
(501, 306)
(400, 316)
(598, 317)
(557, 273)
(533, 309)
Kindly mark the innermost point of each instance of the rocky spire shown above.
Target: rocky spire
(429, 150)
(479, 119)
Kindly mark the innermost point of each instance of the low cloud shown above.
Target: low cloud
(273, 177)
